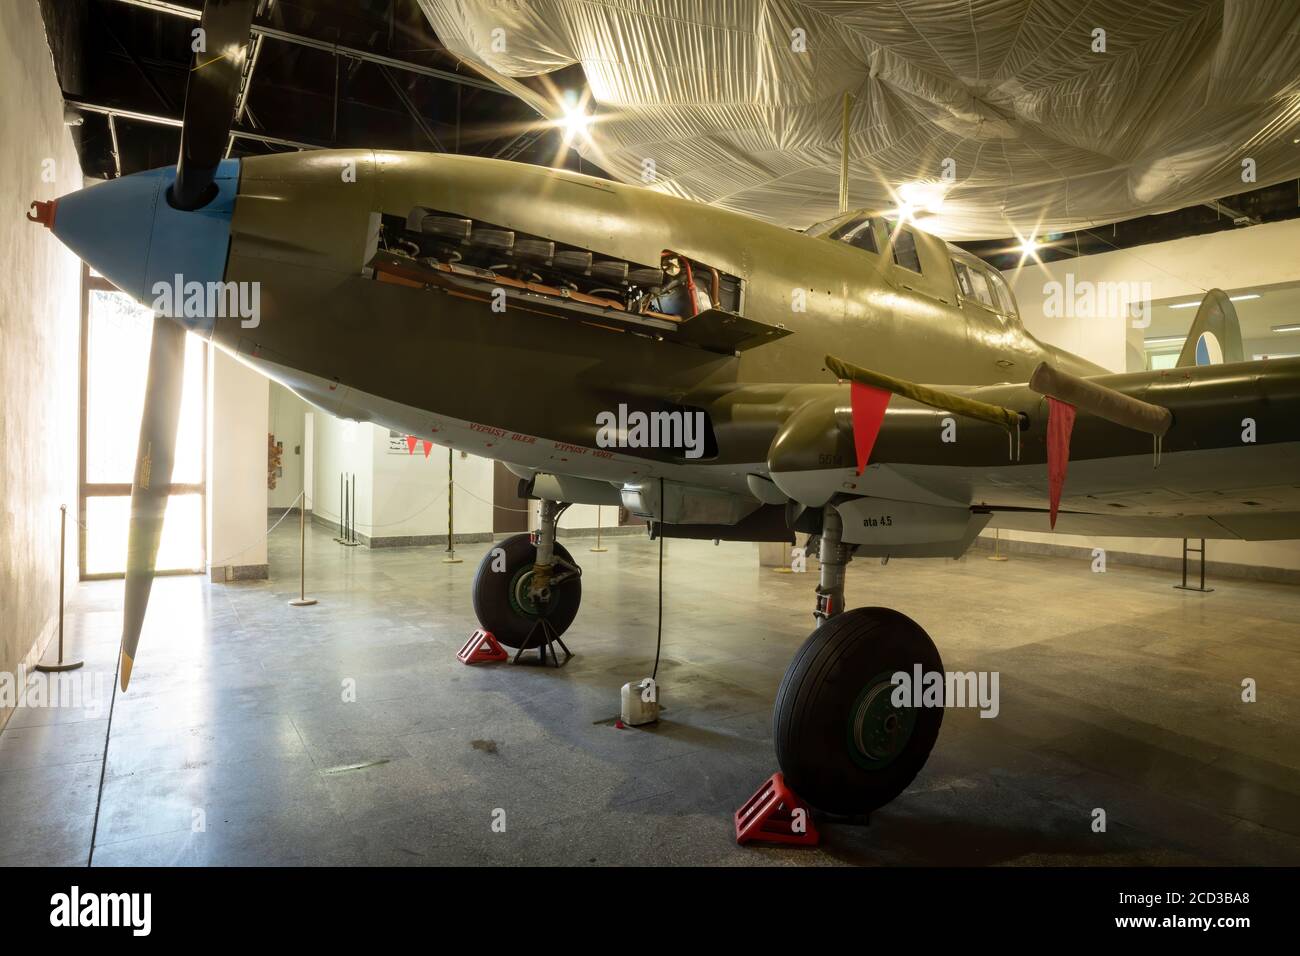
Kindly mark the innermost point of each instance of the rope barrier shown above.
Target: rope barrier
(266, 535)
(522, 511)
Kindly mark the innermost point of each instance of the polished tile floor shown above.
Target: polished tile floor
(240, 742)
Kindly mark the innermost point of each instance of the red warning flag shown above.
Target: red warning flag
(869, 406)
(411, 442)
(428, 446)
(1060, 422)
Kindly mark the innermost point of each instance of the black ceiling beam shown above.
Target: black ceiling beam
(176, 9)
(163, 98)
(156, 120)
(280, 87)
(1274, 203)
(411, 108)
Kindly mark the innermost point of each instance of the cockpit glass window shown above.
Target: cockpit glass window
(905, 250)
(963, 279)
(983, 284)
(858, 233)
(983, 293)
(829, 225)
(1003, 293)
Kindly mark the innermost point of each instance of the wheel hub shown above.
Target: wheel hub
(878, 731)
(521, 602)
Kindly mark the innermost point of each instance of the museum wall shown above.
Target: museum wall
(401, 498)
(583, 518)
(237, 427)
(340, 447)
(1233, 259)
(1099, 339)
(287, 416)
(39, 345)
(413, 503)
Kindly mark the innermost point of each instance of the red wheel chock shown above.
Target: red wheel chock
(775, 815)
(481, 648)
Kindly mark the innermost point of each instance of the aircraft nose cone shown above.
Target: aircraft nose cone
(126, 230)
(110, 226)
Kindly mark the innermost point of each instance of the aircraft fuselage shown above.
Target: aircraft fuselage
(528, 388)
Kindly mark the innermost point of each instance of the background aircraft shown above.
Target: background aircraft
(550, 298)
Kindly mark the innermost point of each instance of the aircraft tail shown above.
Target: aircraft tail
(1215, 335)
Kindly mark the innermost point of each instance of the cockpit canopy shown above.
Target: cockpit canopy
(972, 279)
(843, 219)
(979, 282)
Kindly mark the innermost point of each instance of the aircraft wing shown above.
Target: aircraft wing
(1228, 465)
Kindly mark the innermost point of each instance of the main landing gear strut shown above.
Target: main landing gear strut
(528, 588)
(841, 742)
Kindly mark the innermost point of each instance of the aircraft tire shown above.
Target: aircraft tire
(500, 593)
(841, 743)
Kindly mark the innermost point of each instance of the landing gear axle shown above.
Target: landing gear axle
(843, 742)
(526, 580)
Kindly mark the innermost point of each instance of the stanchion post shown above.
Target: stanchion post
(350, 512)
(61, 665)
(450, 556)
(997, 554)
(598, 549)
(339, 539)
(303, 600)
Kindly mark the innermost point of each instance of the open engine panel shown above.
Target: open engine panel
(678, 298)
(673, 288)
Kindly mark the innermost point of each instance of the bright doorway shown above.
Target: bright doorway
(114, 364)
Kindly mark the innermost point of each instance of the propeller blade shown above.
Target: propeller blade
(210, 96)
(153, 475)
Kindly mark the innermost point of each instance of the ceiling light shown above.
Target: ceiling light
(575, 121)
(1232, 298)
(1165, 340)
(1293, 327)
(921, 196)
(1028, 246)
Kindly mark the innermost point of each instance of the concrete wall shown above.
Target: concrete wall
(39, 345)
(237, 495)
(1238, 258)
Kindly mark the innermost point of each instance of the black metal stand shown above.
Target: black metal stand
(1201, 553)
(550, 637)
(347, 512)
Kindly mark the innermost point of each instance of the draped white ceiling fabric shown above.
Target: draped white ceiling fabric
(1044, 135)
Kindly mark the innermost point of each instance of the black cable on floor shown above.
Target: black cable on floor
(659, 637)
(103, 766)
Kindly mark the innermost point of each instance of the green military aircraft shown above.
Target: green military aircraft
(615, 345)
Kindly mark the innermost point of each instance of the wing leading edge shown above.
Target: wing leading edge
(1227, 466)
